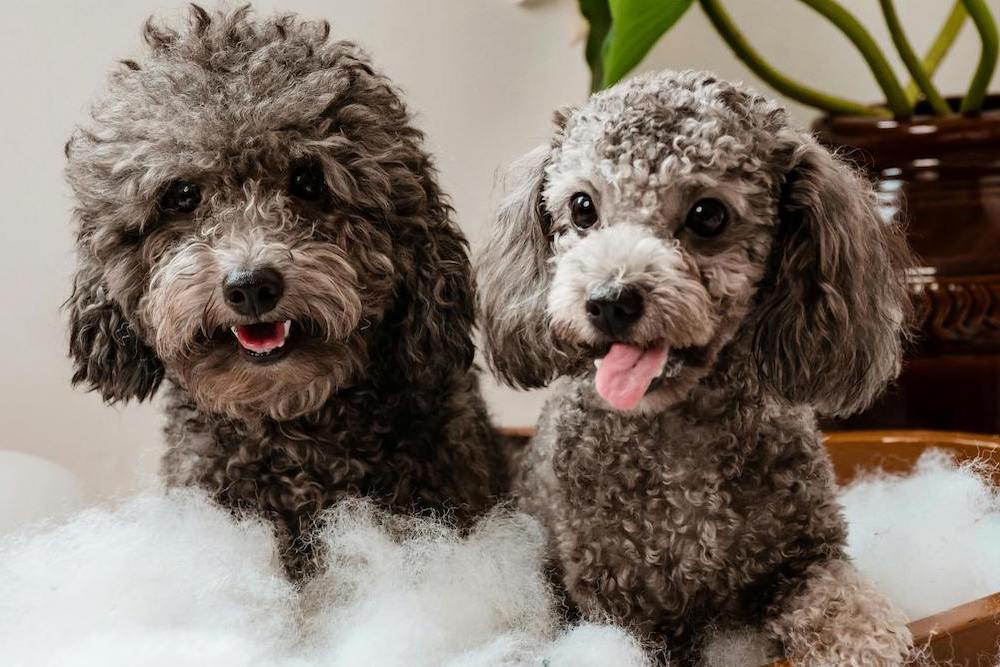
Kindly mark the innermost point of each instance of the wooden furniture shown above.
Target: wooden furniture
(967, 635)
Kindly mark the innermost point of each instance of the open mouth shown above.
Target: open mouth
(263, 340)
(627, 372)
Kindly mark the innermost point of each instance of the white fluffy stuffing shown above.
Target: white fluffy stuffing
(929, 540)
(432, 599)
(166, 580)
(158, 581)
(173, 580)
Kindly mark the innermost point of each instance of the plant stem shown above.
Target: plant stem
(772, 77)
(939, 47)
(987, 28)
(911, 61)
(845, 22)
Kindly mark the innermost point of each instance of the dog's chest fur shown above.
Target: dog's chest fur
(676, 516)
(407, 451)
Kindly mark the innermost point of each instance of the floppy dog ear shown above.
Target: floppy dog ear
(433, 315)
(835, 308)
(428, 329)
(108, 355)
(514, 278)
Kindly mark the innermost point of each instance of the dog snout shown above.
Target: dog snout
(614, 311)
(252, 293)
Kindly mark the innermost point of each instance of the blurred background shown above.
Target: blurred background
(482, 77)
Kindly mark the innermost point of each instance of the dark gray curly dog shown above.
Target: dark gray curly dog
(730, 279)
(260, 228)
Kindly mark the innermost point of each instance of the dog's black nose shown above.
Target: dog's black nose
(614, 312)
(253, 293)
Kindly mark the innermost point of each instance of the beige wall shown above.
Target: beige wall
(483, 76)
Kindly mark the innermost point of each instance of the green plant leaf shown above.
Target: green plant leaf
(636, 25)
(598, 15)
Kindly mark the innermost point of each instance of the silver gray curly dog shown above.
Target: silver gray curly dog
(261, 231)
(709, 279)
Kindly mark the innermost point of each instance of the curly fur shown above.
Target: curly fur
(835, 620)
(712, 503)
(377, 396)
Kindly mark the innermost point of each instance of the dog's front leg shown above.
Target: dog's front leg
(834, 617)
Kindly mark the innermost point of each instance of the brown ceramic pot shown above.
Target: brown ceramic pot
(942, 175)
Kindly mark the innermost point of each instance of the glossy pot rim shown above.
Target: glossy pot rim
(915, 136)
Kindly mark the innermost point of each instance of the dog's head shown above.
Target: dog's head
(676, 214)
(259, 221)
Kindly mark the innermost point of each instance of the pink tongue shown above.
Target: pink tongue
(262, 336)
(626, 372)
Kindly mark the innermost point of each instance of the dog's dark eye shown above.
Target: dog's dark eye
(582, 210)
(708, 217)
(306, 182)
(180, 196)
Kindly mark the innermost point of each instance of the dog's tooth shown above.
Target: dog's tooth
(597, 363)
(233, 329)
(287, 326)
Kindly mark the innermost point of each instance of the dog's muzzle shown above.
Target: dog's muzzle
(635, 300)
